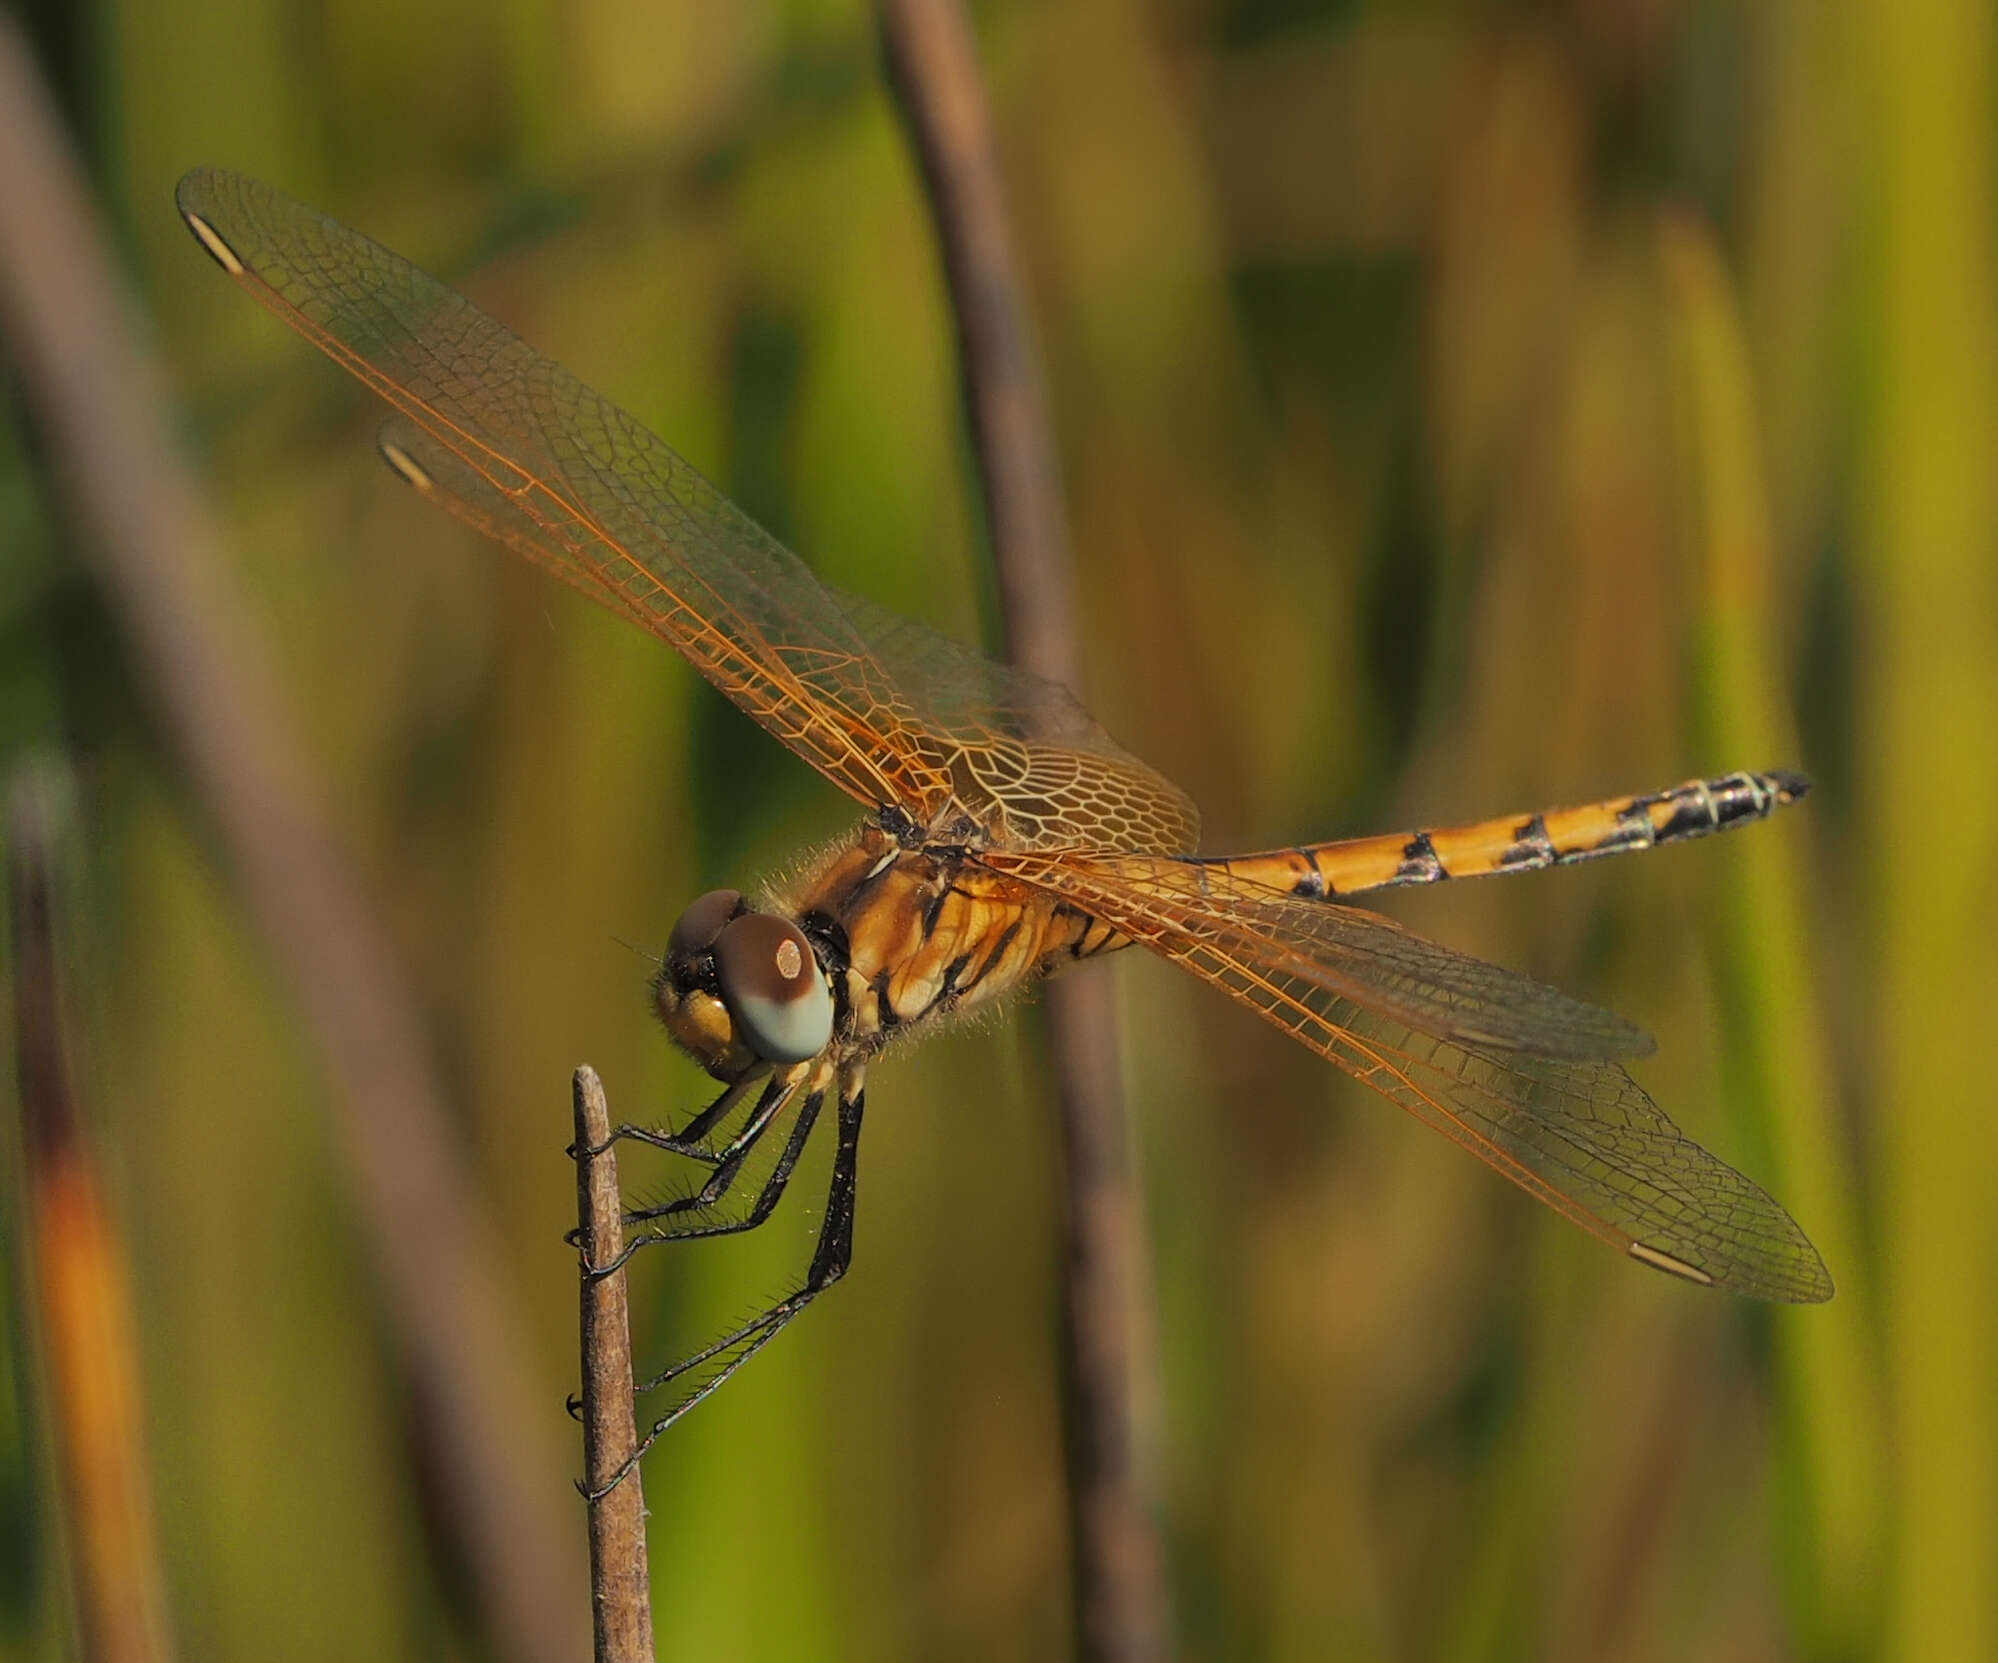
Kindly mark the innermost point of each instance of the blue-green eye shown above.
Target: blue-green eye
(773, 988)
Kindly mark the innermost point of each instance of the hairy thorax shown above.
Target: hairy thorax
(909, 935)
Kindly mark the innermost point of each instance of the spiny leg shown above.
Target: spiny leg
(727, 1161)
(766, 1203)
(712, 1192)
(710, 1196)
(829, 1263)
(688, 1141)
(830, 1260)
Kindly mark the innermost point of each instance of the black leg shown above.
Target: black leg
(710, 1197)
(829, 1263)
(712, 1192)
(765, 1203)
(727, 1160)
(835, 1249)
(688, 1140)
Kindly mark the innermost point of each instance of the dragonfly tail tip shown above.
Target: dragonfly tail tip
(1790, 785)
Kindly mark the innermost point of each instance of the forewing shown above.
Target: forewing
(1519, 1074)
(890, 712)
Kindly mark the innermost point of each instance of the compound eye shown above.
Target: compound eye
(703, 920)
(772, 986)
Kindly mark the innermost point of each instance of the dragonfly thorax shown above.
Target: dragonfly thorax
(914, 935)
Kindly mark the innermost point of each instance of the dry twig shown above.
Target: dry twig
(620, 1583)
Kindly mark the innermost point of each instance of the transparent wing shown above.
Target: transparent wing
(1517, 1073)
(889, 711)
(1320, 953)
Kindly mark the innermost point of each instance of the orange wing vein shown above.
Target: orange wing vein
(892, 713)
(1519, 1074)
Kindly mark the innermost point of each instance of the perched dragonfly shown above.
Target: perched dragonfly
(1005, 837)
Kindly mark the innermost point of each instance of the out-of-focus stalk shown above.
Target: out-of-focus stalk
(154, 550)
(1927, 698)
(1779, 1083)
(1111, 1367)
(78, 1263)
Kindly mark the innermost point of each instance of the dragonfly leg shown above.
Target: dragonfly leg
(830, 1260)
(709, 1197)
(726, 1161)
(690, 1140)
(765, 1203)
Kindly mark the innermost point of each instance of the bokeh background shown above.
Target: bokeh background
(1464, 407)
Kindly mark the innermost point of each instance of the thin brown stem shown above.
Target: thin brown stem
(1111, 1371)
(620, 1582)
(156, 554)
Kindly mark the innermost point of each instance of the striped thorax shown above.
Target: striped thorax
(897, 937)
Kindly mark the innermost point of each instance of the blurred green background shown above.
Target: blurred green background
(1464, 408)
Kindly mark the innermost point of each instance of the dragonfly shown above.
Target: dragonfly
(1005, 837)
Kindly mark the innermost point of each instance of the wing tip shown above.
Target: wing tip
(1816, 1285)
(194, 184)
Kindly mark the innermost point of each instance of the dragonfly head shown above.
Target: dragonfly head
(740, 989)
